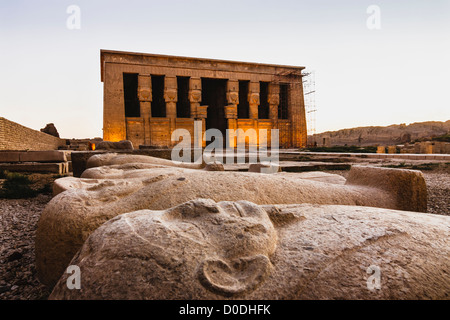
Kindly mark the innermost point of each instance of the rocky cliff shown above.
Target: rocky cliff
(390, 135)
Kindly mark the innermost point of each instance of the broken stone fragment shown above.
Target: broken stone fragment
(110, 145)
(207, 250)
(107, 191)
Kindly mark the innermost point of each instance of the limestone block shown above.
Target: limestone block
(9, 156)
(35, 167)
(264, 167)
(131, 162)
(119, 145)
(43, 156)
(408, 186)
(228, 250)
(214, 166)
(72, 215)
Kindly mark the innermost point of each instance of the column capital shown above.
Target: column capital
(170, 89)
(144, 88)
(195, 97)
(253, 93)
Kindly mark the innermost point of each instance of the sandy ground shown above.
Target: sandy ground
(18, 220)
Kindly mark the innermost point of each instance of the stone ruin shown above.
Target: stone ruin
(140, 227)
(51, 130)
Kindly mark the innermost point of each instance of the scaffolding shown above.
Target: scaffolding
(309, 90)
(309, 93)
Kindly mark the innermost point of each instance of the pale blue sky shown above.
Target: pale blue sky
(399, 74)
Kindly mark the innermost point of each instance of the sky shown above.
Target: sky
(372, 68)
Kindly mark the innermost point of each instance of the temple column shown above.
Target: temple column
(145, 99)
(195, 95)
(231, 110)
(171, 98)
(274, 101)
(198, 112)
(253, 101)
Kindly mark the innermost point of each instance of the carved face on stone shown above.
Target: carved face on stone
(223, 247)
(237, 237)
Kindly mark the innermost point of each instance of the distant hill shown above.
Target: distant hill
(390, 135)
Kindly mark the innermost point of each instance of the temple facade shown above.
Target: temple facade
(148, 96)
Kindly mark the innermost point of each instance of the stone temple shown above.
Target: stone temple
(148, 96)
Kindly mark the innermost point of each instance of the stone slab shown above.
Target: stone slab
(80, 158)
(43, 156)
(35, 167)
(9, 156)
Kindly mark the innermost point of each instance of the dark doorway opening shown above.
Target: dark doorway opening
(183, 104)
(243, 106)
(263, 110)
(158, 102)
(130, 92)
(214, 96)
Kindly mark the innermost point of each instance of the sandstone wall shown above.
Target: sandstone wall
(14, 136)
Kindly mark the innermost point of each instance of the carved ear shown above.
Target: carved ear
(242, 276)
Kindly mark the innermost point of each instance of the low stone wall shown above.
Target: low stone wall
(14, 136)
(51, 161)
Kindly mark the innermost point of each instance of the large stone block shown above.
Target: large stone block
(407, 186)
(43, 156)
(119, 145)
(35, 167)
(9, 156)
(122, 184)
(239, 250)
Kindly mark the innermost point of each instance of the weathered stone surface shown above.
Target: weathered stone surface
(136, 162)
(119, 145)
(74, 214)
(408, 186)
(44, 156)
(58, 168)
(9, 156)
(214, 166)
(80, 159)
(264, 167)
(34, 156)
(207, 250)
(320, 177)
